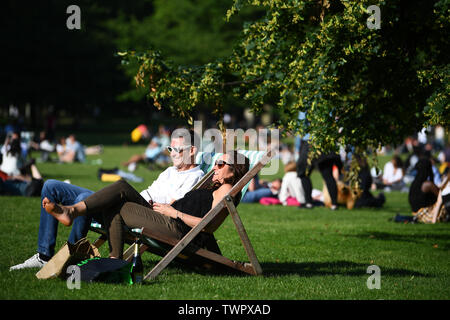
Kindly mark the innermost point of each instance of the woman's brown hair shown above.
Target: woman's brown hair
(239, 164)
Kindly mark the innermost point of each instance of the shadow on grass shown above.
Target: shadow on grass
(305, 269)
(344, 268)
(59, 176)
(412, 238)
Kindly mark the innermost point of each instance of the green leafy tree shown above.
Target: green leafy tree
(358, 86)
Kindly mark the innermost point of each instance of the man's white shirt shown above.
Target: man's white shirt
(172, 184)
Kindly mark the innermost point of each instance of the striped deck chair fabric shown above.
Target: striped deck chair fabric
(206, 161)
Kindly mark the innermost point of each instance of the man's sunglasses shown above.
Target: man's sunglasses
(177, 149)
(220, 164)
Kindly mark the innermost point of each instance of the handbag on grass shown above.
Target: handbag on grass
(69, 254)
(105, 270)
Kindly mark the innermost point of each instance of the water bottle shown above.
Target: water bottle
(137, 268)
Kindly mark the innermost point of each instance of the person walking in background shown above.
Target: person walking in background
(302, 167)
(326, 164)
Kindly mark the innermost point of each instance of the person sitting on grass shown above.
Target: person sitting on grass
(174, 220)
(438, 211)
(366, 198)
(291, 192)
(73, 151)
(155, 151)
(16, 178)
(171, 185)
(28, 184)
(423, 192)
(441, 212)
(12, 159)
(393, 174)
(43, 145)
(259, 189)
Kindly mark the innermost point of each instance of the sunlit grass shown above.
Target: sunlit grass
(305, 254)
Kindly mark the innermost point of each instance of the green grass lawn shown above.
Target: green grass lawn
(305, 254)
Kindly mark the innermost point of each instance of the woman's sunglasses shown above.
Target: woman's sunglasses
(220, 164)
(177, 149)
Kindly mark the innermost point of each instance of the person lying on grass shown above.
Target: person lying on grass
(125, 206)
(172, 184)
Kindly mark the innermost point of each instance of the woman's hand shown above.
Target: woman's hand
(165, 209)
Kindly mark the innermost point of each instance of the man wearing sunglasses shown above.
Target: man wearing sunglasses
(172, 184)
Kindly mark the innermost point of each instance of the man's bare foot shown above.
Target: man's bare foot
(61, 213)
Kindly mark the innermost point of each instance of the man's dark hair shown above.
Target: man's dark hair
(189, 135)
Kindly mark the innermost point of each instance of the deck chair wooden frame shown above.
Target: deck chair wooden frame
(184, 250)
(210, 222)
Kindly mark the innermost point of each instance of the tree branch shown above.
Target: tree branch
(234, 83)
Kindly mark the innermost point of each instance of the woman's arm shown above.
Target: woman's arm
(220, 193)
(171, 212)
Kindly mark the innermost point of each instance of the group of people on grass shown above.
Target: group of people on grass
(19, 174)
(296, 188)
(170, 206)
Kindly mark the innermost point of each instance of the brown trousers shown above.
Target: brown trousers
(120, 204)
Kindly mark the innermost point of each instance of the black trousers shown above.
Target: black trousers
(304, 171)
(325, 165)
(120, 204)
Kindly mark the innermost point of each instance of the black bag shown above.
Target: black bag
(105, 270)
(34, 188)
(404, 219)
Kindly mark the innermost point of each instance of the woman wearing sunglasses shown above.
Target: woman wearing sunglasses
(173, 220)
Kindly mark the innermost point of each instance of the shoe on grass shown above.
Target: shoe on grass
(306, 206)
(33, 262)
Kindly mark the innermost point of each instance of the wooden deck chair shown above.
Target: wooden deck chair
(210, 222)
(209, 256)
